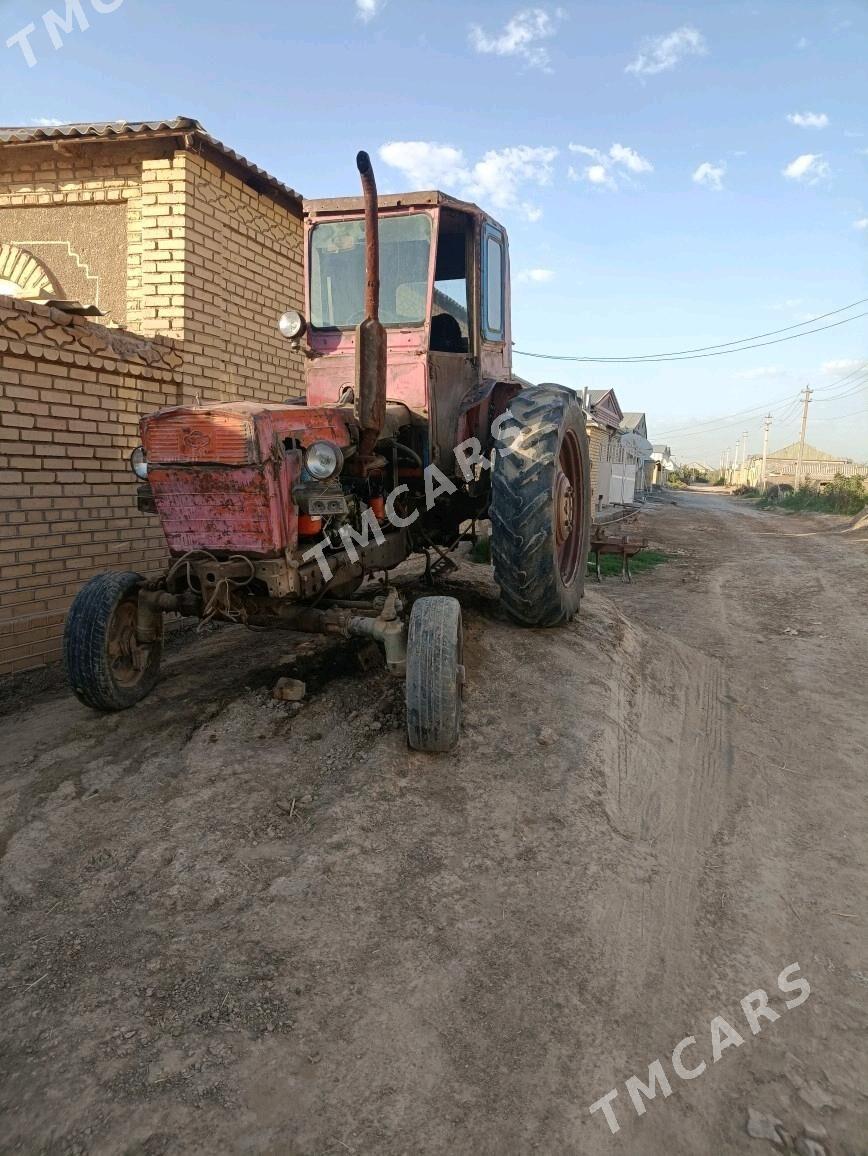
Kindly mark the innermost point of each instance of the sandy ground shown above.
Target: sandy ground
(231, 926)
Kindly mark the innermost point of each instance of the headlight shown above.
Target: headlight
(322, 460)
(292, 324)
(139, 463)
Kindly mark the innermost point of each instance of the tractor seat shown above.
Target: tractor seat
(446, 334)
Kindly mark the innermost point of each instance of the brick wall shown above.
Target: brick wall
(78, 209)
(71, 395)
(168, 243)
(173, 247)
(244, 255)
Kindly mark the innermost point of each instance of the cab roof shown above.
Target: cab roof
(334, 206)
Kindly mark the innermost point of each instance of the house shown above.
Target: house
(660, 467)
(604, 422)
(167, 231)
(190, 252)
(635, 450)
(782, 467)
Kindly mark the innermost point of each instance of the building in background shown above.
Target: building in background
(782, 468)
(660, 468)
(603, 425)
(634, 451)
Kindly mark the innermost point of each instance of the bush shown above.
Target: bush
(841, 496)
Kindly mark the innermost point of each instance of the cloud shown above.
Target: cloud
(665, 52)
(802, 43)
(523, 36)
(46, 121)
(630, 159)
(810, 168)
(710, 175)
(537, 276)
(808, 119)
(619, 162)
(497, 179)
(367, 9)
(861, 224)
(841, 365)
(426, 164)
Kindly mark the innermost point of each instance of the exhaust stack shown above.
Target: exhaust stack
(370, 406)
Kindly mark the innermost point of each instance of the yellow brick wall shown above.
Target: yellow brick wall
(71, 395)
(203, 257)
(38, 181)
(204, 265)
(244, 268)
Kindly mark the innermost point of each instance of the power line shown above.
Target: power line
(723, 421)
(715, 350)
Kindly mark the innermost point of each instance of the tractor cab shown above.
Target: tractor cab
(444, 303)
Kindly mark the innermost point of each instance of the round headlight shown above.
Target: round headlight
(323, 460)
(292, 324)
(139, 463)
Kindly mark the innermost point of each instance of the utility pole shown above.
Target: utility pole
(767, 425)
(800, 465)
(744, 455)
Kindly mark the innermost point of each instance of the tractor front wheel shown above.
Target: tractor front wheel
(540, 506)
(435, 674)
(106, 667)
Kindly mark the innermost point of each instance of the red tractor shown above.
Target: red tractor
(414, 427)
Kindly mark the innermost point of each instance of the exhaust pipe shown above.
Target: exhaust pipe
(370, 405)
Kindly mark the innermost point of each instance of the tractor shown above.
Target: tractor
(414, 428)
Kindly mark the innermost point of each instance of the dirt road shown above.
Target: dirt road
(228, 927)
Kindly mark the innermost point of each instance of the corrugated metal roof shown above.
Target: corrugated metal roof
(127, 129)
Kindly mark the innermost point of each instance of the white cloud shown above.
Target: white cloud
(367, 9)
(497, 179)
(841, 365)
(598, 175)
(631, 160)
(862, 224)
(808, 119)
(619, 161)
(808, 168)
(710, 175)
(537, 276)
(664, 52)
(802, 43)
(523, 35)
(46, 121)
(426, 164)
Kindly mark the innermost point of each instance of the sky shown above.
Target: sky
(671, 175)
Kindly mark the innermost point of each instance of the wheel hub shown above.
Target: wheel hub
(565, 507)
(123, 649)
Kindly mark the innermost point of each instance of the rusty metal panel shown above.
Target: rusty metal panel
(237, 509)
(199, 435)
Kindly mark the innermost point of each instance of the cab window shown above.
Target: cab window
(492, 284)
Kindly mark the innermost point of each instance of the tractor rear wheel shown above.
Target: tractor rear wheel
(540, 506)
(106, 667)
(435, 674)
